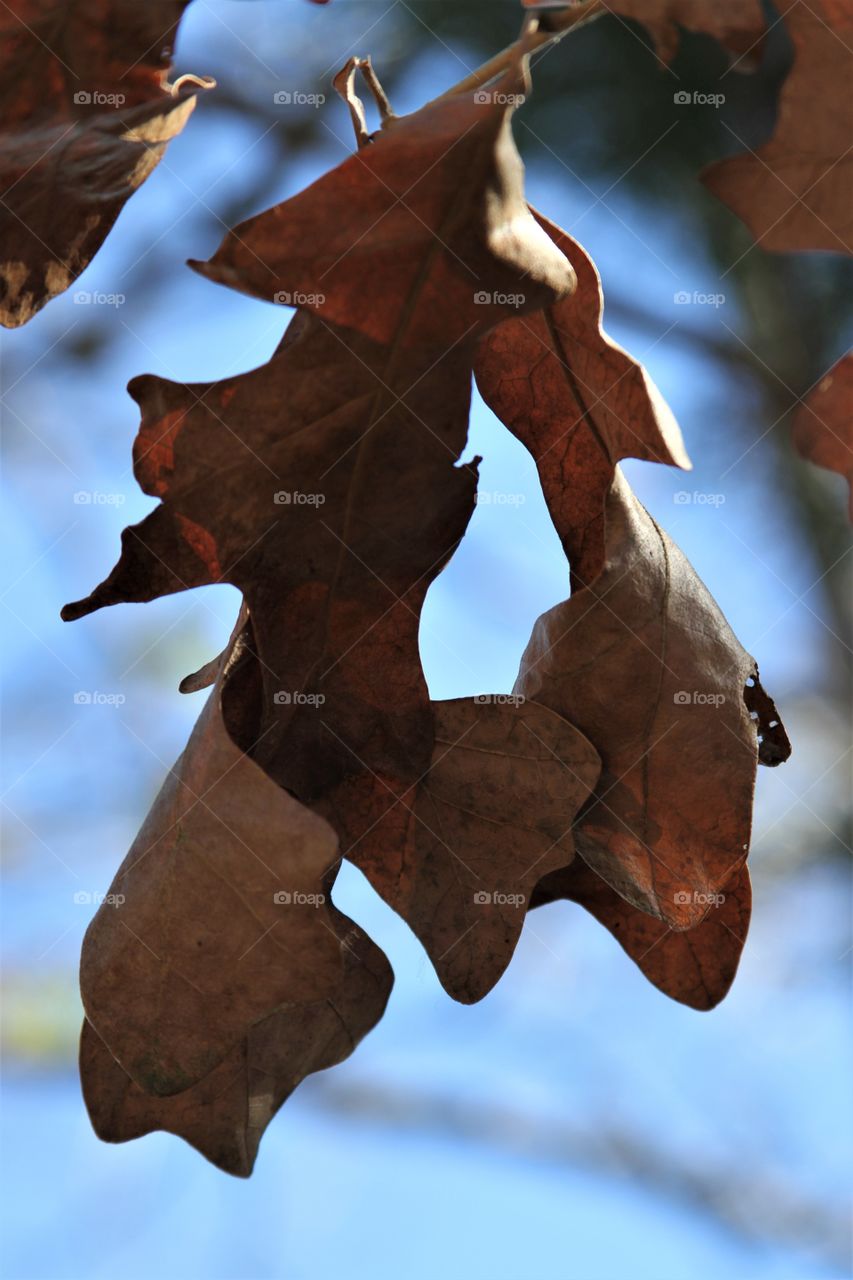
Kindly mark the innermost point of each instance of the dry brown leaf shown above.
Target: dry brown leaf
(225, 1114)
(421, 238)
(87, 112)
(489, 816)
(794, 192)
(218, 915)
(579, 403)
(823, 424)
(335, 576)
(643, 663)
(458, 858)
(696, 966)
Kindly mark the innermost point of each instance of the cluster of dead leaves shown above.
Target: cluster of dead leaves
(618, 774)
(88, 110)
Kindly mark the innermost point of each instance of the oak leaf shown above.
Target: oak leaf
(695, 966)
(423, 237)
(579, 403)
(794, 192)
(458, 851)
(643, 662)
(459, 857)
(218, 915)
(87, 112)
(337, 504)
(225, 1114)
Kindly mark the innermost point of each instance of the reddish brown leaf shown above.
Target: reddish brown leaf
(823, 424)
(335, 576)
(87, 113)
(225, 1114)
(218, 915)
(404, 240)
(695, 967)
(645, 665)
(579, 403)
(794, 192)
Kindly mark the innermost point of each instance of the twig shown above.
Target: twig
(553, 25)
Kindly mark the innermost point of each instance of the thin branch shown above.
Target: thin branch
(751, 1203)
(552, 27)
